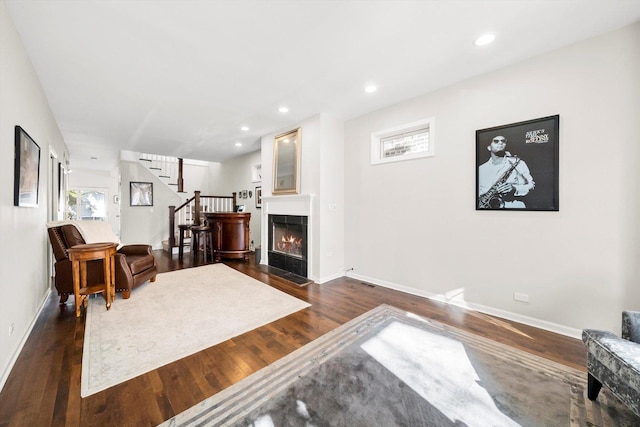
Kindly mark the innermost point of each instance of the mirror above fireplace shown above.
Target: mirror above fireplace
(286, 163)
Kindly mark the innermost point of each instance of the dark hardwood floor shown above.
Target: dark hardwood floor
(44, 386)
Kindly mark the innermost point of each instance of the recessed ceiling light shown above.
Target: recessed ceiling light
(244, 128)
(238, 144)
(484, 39)
(370, 88)
(283, 109)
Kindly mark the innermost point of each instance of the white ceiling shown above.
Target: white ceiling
(180, 77)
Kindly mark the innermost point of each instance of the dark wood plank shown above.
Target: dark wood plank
(44, 386)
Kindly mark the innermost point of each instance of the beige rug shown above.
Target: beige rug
(183, 312)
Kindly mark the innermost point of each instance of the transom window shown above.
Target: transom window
(405, 142)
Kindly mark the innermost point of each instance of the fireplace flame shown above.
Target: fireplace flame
(289, 243)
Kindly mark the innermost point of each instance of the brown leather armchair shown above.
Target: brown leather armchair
(135, 264)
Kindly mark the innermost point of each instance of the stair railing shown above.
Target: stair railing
(186, 212)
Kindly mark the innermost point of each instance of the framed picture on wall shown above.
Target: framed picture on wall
(26, 180)
(286, 163)
(517, 166)
(141, 193)
(258, 197)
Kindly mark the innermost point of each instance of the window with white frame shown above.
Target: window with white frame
(405, 142)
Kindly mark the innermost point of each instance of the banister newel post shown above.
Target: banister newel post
(180, 180)
(196, 219)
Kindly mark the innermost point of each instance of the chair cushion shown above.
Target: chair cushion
(140, 263)
(72, 236)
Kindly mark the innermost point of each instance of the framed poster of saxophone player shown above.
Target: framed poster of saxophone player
(517, 166)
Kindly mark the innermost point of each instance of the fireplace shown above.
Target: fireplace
(288, 243)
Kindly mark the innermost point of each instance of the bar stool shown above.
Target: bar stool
(201, 234)
(79, 255)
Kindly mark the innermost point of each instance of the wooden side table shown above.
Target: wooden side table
(79, 255)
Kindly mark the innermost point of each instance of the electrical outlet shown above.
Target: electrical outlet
(520, 297)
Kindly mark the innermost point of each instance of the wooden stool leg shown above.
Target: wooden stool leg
(194, 245)
(181, 248)
(210, 237)
(205, 245)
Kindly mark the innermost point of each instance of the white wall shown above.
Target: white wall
(24, 244)
(412, 225)
(331, 198)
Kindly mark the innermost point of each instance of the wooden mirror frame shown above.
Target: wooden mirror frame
(286, 163)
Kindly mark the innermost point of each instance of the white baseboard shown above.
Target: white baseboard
(328, 278)
(23, 341)
(531, 321)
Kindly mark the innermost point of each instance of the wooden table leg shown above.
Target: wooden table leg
(107, 281)
(112, 261)
(76, 286)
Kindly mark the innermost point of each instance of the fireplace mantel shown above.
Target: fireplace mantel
(298, 204)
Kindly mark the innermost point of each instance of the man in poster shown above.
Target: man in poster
(503, 180)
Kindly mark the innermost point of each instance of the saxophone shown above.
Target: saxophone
(491, 199)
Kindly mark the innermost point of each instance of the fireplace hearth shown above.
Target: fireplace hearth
(288, 243)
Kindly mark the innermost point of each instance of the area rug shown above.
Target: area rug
(391, 368)
(181, 313)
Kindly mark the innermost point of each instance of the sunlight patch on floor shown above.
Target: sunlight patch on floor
(438, 369)
(500, 323)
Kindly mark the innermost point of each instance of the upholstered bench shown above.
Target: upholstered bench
(615, 362)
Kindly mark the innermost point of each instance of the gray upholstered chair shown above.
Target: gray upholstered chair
(615, 362)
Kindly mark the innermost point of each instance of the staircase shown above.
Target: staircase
(168, 169)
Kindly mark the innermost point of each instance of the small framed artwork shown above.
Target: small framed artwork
(244, 194)
(258, 197)
(517, 166)
(26, 180)
(141, 193)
